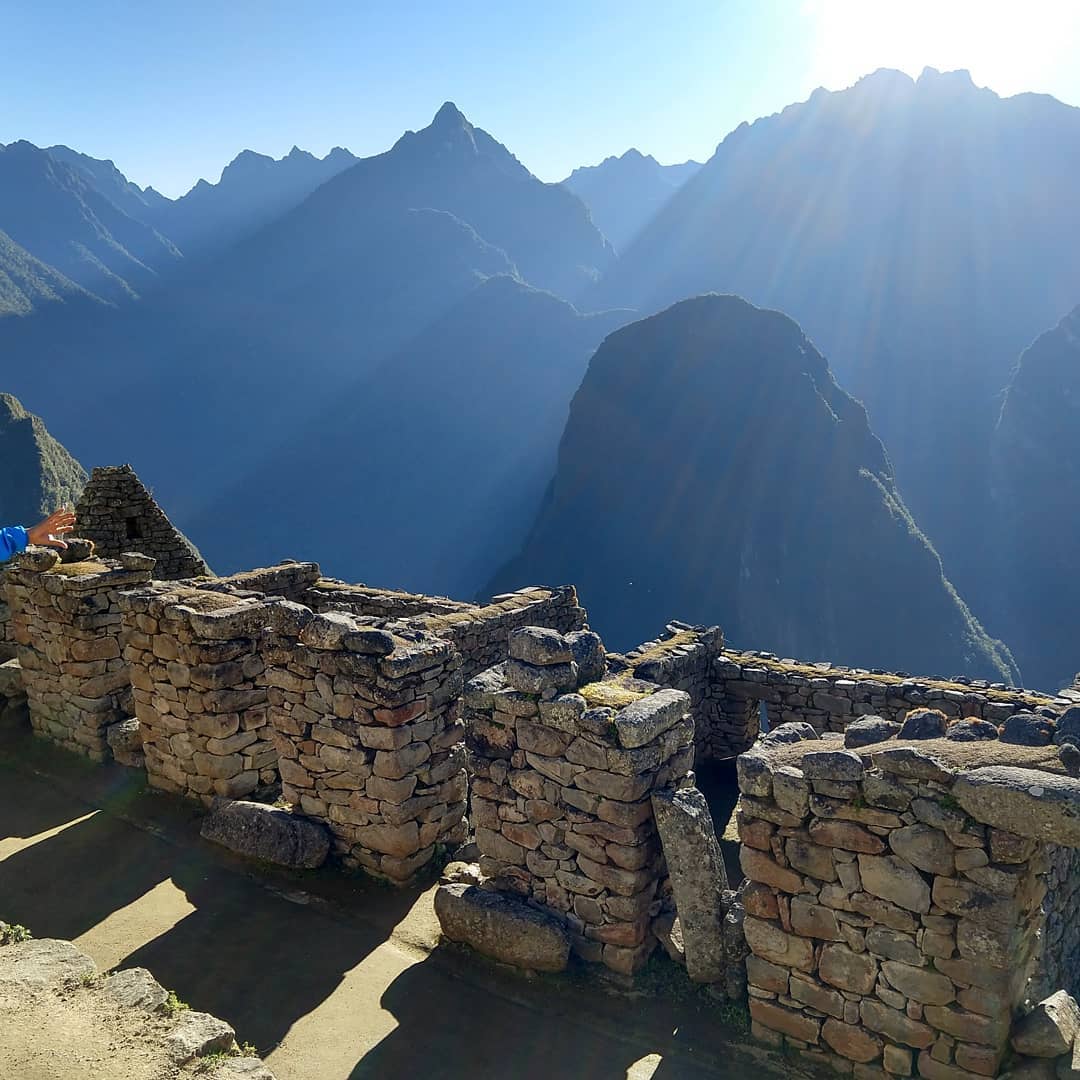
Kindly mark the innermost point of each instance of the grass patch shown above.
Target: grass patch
(173, 1005)
(610, 694)
(79, 569)
(12, 934)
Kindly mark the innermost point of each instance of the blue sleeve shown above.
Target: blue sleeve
(12, 540)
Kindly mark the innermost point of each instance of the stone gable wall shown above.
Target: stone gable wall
(119, 514)
(66, 624)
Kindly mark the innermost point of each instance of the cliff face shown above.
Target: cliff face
(1036, 488)
(923, 232)
(712, 470)
(39, 475)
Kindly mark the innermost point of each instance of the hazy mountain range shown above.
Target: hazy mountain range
(371, 362)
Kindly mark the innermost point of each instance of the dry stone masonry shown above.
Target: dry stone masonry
(193, 663)
(365, 721)
(829, 698)
(119, 514)
(561, 787)
(66, 622)
(895, 889)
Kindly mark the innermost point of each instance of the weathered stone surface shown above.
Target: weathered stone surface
(811, 859)
(893, 945)
(1050, 1029)
(892, 878)
(268, 833)
(136, 988)
(840, 765)
(1068, 726)
(502, 928)
(1027, 729)
(197, 1034)
(754, 774)
(925, 848)
(791, 791)
(792, 732)
(1042, 806)
(643, 720)
(1068, 1066)
(847, 835)
(967, 1026)
(851, 1041)
(840, 967)
(918, 983)
(971, 730)
(540, 646)
(814, 920)
(894, 1024)
(786, 1021)
(808, 992)
(772, 943)
(912, 762)
(696, 866)
(868, 730)
(757, 866)
(41, 963)
(923, 724)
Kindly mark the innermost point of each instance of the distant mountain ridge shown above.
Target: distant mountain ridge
(711, 468)
(624, 193)
(39, 475)
(1035, 481)
(55, 213)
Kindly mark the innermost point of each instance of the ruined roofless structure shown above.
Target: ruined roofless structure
(119, 514)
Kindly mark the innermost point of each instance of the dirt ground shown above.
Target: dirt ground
(45, 1035)
(330, 978)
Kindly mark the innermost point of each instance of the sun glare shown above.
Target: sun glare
(1007, 46)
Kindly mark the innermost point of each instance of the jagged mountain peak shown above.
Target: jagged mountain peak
(449, 115)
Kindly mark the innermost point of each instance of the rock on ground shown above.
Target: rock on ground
(39, 964)
(502, 928)
(197, 1034)
(268, 833)
(1050, 1029)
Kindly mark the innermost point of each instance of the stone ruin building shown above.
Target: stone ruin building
(118, 514)
(907, 845)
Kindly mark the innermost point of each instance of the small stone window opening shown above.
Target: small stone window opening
(134, 530)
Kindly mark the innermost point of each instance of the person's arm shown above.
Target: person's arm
(47, 533)
(13, 539)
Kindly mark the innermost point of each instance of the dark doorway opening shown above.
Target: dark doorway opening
(134, 529)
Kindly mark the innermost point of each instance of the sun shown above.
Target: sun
(1008, 46)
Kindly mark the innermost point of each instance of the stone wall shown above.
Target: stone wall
(66, 623)
(682, 659)
(289, 579)
(1058, 965)
(194, 661)
(893, 894)
(481, 633)
(332, 595)
(830, 697)
(365, 721)
(119, 514)
(560, 792)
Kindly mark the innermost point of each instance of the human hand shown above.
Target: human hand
(49, 532)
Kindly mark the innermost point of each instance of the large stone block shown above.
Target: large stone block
(1050, 1029)
(1043, 806)
(268, 833)
(502, 928)
(698, 878)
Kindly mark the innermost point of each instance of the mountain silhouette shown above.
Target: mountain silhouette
(53, 212)
(1036, 488)
(624, 193)
(712, 470)
(429, 469)
(254, 189)
(923, 232)
(39, 475)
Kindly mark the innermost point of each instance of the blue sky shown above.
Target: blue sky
(173, 92)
